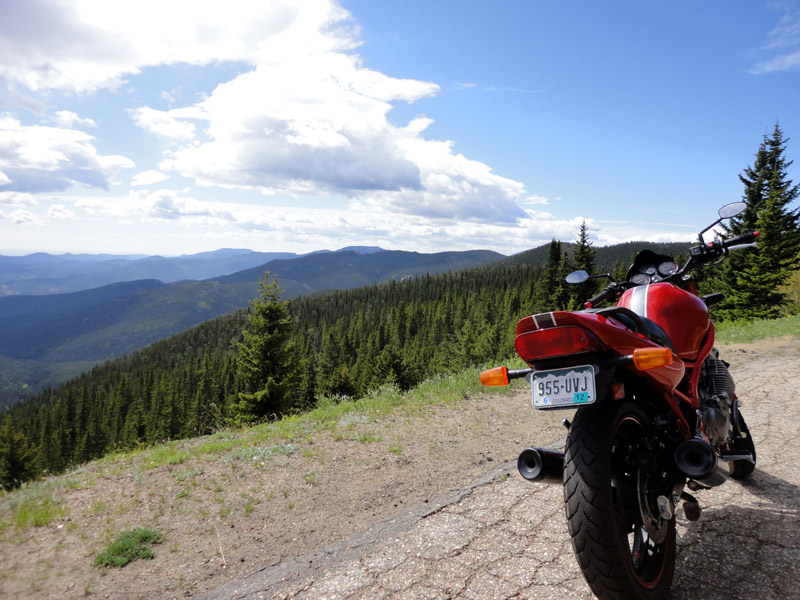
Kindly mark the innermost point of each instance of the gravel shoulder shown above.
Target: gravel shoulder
(423, 503)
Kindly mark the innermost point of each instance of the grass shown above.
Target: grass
(745, 332)
(33, 505)
(131, 545)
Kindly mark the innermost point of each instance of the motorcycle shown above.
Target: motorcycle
(656, 412)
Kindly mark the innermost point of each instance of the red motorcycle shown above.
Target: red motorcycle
(656, 413)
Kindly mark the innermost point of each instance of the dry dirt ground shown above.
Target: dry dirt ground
(226, 515)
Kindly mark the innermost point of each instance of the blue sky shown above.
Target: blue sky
(182, 126)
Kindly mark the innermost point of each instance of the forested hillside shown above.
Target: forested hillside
(47, 339)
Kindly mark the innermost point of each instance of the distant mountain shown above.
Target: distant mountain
(42, 273)
(49, 338)
(605, 256)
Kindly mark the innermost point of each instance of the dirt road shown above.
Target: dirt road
(502, 537)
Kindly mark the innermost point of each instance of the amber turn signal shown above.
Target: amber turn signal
(651, 358)
(496, 376)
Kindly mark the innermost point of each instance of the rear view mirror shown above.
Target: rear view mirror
(577, 277)
(732, 209)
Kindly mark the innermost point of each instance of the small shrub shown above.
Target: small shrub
(129, 546)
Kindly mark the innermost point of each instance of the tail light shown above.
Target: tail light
(554, 341)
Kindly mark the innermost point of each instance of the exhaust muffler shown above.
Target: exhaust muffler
(540, 464)
(699, 461)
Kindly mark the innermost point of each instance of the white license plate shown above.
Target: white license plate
(563, 388)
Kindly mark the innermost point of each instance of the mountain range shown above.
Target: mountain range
(48, 338)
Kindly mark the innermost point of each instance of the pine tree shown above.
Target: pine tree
(548, 284)
(583, 259)
(17, 456)
(267, 362)
(752, 278)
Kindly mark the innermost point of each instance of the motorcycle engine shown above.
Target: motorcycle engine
(716, 391)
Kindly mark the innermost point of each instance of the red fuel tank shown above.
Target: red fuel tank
(683, 316)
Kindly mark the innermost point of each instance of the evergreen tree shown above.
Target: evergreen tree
(17, 456)
(267, 362)
(547, 285)
(583, 258)
(561, 295)
(751, 278)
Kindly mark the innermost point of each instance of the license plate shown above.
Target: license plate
(563, 388)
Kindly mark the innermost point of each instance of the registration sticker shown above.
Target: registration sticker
(563, 388)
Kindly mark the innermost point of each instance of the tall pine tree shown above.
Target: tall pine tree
(267, 362)
(583, 259)
(752, 278)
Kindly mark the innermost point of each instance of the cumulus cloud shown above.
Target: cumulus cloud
(163, 124)
(307, 125)
(40, 159)
(303, 116)
(17, 198)
(84, 45)
(59, 211)
(23, 217)
(148, 178)
(319, 125)
(162, 204)
(67, 118)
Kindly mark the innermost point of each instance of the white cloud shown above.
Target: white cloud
(38, 158)
(67, 118)
(23, 217)
(163, 124)
(84, 45)
(308, 118)
(534, 200)
(59, 211)
(318, 125)
(16, 198)
(148, 178)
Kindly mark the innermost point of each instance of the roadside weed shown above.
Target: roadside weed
(129, 546)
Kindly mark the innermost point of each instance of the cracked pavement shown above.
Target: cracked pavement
(502, 537)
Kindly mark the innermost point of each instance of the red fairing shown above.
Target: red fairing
(683, 316)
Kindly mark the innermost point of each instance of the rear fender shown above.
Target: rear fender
(603, 336)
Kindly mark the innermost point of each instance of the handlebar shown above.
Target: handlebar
(712, 250)
(698, 255)
(745, 238)
(608, 292)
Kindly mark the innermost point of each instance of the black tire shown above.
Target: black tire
(742, 468)
(619, 560)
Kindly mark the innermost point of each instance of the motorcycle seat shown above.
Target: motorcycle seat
(647, 327)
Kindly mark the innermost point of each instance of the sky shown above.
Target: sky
(182, 126)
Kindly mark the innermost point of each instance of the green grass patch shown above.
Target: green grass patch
(166, 454)
(258, 454)
(131, 545)
(33, 506)
(751, 331)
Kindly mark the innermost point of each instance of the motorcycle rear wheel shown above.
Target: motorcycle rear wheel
(603, 493)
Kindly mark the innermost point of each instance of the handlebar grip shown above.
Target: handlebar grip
(745, 238)
(591, 302)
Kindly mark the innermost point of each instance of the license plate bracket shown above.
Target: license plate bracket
(569, 387)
